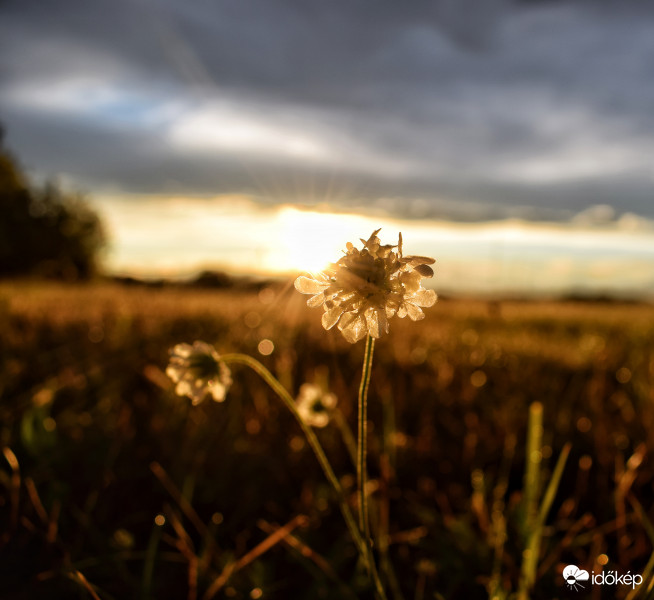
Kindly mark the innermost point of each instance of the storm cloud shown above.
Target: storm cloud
(463, 109)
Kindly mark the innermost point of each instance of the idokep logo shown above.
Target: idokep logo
(577, 579)
(574, 577)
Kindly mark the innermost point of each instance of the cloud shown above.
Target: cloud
(150, 236)
(439, 113)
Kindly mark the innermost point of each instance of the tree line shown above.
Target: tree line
(44, 230)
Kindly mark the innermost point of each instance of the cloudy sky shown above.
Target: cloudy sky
(463, 110)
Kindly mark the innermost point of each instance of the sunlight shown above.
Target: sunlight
(309, 241)
(181, 236)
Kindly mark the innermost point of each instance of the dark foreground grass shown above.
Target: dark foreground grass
(112, 487)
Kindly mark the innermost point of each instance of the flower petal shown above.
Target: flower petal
(319, 419)
(415, 313)
(411, 281)
(308, 285)
(414, 261)
(331, 317)
(425, 270)
(218, 391)
(329, 400)
(182, 350)
(174, 372)
(356, 330)
(383, 321)
(316, 300)
(183, 388)
(425, 298)
(372, 322)
(347, 319)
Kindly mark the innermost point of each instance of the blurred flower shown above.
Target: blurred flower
(314, 405)
(367, 287)
(197, 370)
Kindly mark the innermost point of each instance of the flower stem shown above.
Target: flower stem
(362, 446)
(286, 398)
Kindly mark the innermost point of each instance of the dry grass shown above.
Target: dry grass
(85, 410)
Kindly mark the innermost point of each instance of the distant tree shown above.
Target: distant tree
(44, 232)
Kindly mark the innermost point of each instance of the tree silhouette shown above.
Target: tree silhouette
(44, 232)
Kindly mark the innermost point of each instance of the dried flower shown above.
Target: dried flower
(314, 405)
(367, 287)
(197, 370)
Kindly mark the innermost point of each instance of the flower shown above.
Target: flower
(314, 404)
(197, 370)
(367, 287)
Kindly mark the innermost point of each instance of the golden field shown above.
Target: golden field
(112, 486)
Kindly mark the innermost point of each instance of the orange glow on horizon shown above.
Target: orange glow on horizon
(174, 237)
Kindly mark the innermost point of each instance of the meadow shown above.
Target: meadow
(111, 486)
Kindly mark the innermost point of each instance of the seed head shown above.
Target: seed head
(366, 287)
(197, 371)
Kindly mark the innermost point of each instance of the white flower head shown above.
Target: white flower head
(367, 287)
(314, 404)
(197, 371)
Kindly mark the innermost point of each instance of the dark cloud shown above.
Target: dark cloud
(533, 108)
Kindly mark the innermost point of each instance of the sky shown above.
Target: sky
(532, 115)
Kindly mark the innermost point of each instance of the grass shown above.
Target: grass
(111, 486)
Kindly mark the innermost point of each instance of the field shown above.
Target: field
(111, 486)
